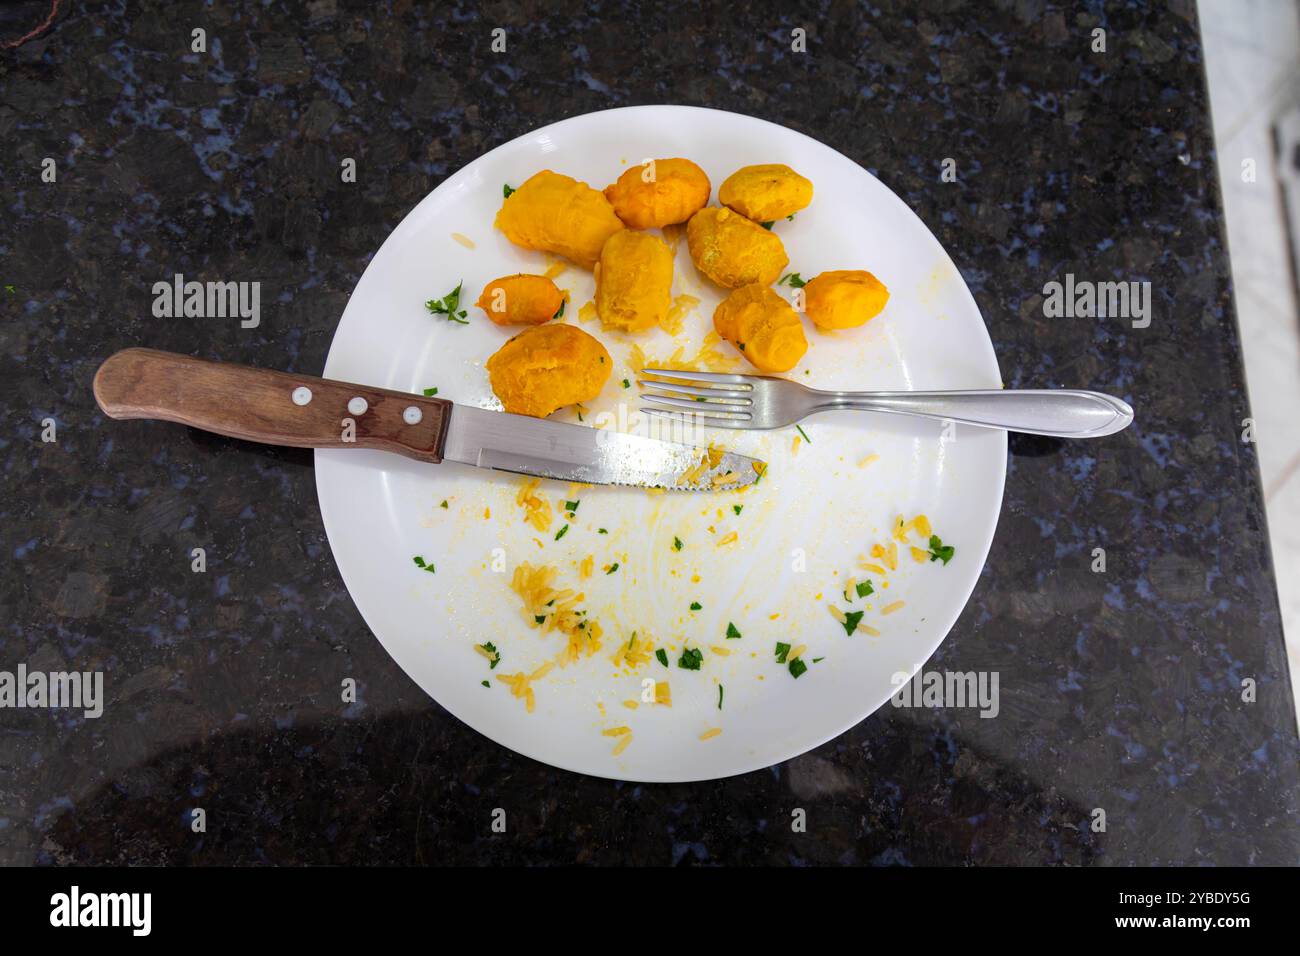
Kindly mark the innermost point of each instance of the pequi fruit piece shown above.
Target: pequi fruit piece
(766, 193)
(556, 213)
(844, 299)
(547, 367)
(520, 300)
(763, 326)
(634, 282)
(678, 190)
(732, 251)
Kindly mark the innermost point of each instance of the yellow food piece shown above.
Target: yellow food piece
(547, 367)
(732, 251)
(659, 193)
(765, 193)
(844, 299)
(559, 214)
(520, 300)
(763, 327)
(634, 282)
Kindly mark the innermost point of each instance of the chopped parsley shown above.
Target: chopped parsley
(817, 660)
(864, 588)
(677, 543)
(449, 306)
(732, 633)
(797, 667)
(444, 503)
(767, 225)
(737, 508)
(485, 684)
(539, 618)
(430, 392)
(572, 506)
(419, 563)
(626, 383)
(719, 697)
(691, 659)
(940, 551)
(495, 659)
(561, 533)
(781, 651)
(663, 656)
(601, 531)
(851, 620)
(793, 280)
(506, 190)
(696, 606)
(612, 568)
(560, 311)
(804, 434)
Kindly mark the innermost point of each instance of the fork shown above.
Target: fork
(754, 401)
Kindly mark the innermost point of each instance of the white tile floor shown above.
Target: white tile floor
(1252, 61)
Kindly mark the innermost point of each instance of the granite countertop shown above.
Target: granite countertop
(1120, 691)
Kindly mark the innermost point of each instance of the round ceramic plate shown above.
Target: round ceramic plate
(772, 571)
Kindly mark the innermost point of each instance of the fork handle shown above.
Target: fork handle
(1061, 413)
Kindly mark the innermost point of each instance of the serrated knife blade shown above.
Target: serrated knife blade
(598, 456)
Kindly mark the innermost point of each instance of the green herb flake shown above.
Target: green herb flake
(768, 225)
(626, 383)
(430, 392)
(539, 618)
(572, 506)
(420, 563)
(444, 504)
(561, 533)
(793, 280)
(485, 684)
(940, 551)
(560, 311)
(691, 659)
(506, 190)
(864, 588)
(851, 620)
(612, 568)
(732, 633)
(677, 543)
(449, 306)
(663, 656)
(719, 697)
(818, 660)
(737, 508)
(496, 655)
(781, 651)
(804, 434)
(696, 606)
(601, 531)
(797, 667)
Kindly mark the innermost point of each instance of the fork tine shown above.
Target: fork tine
(695, 390)
(713, 421)
(703, 409)
(716, 378)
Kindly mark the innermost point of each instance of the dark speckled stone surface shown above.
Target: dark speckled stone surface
(1119, 690)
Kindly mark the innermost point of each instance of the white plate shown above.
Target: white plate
(820, 507)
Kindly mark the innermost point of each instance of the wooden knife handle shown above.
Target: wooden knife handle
(274, 408)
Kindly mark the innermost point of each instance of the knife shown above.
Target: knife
(280, 408)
